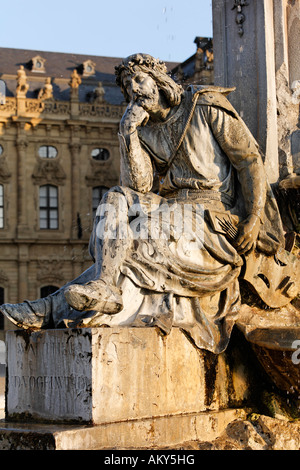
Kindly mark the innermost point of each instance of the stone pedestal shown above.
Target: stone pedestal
(115, 388)
(108, 374)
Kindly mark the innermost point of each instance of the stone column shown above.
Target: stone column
(22, 222)
(75, 185)
(23, 258)
(287, 63)
(244, 57)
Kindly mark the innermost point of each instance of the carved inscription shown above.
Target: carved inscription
(42, 383)
(49, 375)
(50, 348)
(54, 350)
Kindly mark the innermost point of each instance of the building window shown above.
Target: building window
(1, 302)
(47, 290)
(98, 193)
(2, 92)
(37, 64)
(1, 206)
(48, 207)
(47, 151)
(100, 154)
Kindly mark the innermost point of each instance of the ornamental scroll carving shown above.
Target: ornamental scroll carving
(57, 107)
(50, 271)
(101, 174)
(106, 111)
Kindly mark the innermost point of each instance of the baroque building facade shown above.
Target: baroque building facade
(59, 152)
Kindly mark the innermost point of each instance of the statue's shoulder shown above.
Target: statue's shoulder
(212, 96)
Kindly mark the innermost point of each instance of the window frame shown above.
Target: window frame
(48, 208)
(102, 190)
(47, 156)
(101, 150)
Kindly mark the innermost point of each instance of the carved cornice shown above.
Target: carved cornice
(101, 110)
(34, 107)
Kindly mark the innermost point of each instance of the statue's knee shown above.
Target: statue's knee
(112, 202)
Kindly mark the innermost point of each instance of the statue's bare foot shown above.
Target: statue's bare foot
(28, 314)
(94, 295)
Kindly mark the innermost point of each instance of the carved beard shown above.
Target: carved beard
(148, 101)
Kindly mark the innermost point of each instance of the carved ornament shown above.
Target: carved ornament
(240, 17)
(5, 174)
(50, 271)
(48, 171)
(101, 174)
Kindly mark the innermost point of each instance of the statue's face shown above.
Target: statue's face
(143, 90)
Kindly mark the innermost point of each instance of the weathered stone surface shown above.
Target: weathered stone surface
(103, 375)
(259, 433)
(151, 433)
(222, 430)
(274, 335)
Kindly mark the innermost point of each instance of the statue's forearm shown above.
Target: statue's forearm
(136, 165)
(252, 178)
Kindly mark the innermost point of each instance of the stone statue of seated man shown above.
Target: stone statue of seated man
(193, 214)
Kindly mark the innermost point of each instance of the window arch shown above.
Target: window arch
(98, 193)
(47, 151)
(48, 201)
(47, 290)
(100, 154)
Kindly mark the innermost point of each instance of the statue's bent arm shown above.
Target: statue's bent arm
(241, 148)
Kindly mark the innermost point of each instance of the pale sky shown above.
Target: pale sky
(165, 29)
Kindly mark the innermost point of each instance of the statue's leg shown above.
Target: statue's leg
(110, 241)
(96, 288)
(43, 312)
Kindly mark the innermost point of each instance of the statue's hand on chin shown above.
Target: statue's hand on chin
(133, 117)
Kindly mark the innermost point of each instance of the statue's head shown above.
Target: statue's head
(156, 69)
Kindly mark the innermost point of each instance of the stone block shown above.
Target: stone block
(105, 375)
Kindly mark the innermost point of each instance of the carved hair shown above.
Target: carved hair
(153, 67)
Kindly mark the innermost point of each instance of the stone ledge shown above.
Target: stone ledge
(151, 433)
